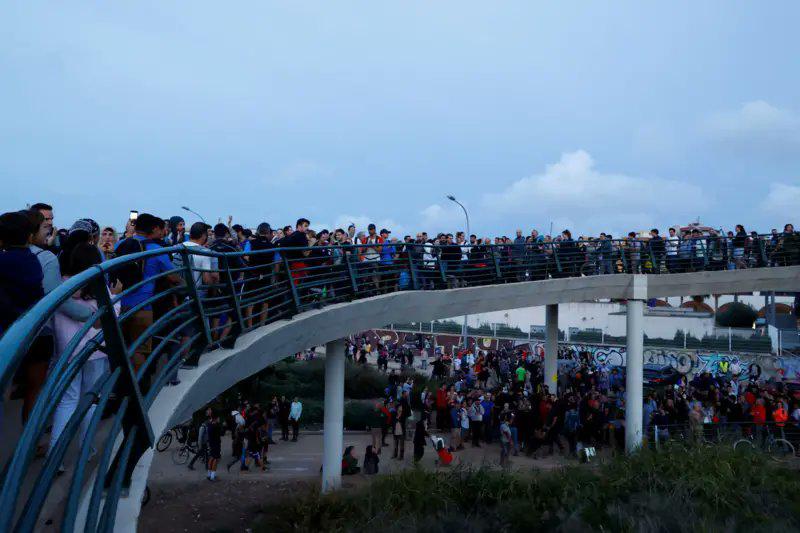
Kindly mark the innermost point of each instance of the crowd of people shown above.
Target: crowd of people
(35, 258)
(487, 396)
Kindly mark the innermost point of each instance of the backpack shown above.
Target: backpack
(130, 273)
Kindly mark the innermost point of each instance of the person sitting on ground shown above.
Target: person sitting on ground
(350, 462)
(445, 454)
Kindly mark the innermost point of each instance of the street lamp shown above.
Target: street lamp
(196, 213)
(466, 215)
(466, 239)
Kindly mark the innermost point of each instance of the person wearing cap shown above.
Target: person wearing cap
(388, 254)
(370, 256)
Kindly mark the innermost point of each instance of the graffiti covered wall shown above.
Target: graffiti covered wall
(690, 362)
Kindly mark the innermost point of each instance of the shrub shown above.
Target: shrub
(706, 489)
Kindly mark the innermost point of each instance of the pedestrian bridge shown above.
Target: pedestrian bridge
(222, 325)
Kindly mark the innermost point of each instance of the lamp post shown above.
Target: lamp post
(195, 213)
(466, 238)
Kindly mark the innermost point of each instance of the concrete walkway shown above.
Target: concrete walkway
(303, 459)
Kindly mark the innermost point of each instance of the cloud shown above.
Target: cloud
(443, 218)
(574, 190)
(782, 201)
(756, 124)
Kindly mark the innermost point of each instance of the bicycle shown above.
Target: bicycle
(777, 448)
(182, 454)
(181, 432)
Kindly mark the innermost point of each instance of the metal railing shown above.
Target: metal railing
(181, 302)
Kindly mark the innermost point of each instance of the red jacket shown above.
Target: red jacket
(759, 414)
(441, 398)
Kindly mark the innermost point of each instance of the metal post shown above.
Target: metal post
(634, 375)
(194, 297)
(292, 286)
(136, 416)
(333, 438)
(730, 341)
(236, 325)
(551, 348)
(498, 275)
(348, 258)
(412, 272)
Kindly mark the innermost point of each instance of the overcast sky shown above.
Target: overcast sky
(597, 116)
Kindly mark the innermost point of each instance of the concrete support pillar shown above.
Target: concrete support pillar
(333, 439)
(634, 379)
(551, 348)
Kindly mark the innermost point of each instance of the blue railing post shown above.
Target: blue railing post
(348, 258)
(442, 271)
(136, 416)
(292, 286)
(412, 271)
(497, 273)
(555, 257)
(237, 326)
(199, 345)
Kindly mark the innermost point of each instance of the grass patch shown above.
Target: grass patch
(709, 489)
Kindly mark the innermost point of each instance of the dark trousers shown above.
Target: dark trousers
(295, 428)
(419, 451)
(201, 453)
(442, 419)
(284, 429)
(399, 446)
(475, 431)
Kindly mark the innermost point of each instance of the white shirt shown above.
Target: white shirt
(199, 263)
(672, 245)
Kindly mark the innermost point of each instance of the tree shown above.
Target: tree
(736, 315)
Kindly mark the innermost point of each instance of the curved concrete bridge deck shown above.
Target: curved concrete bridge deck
(265, 346)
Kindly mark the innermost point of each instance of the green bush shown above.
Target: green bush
(706, 489)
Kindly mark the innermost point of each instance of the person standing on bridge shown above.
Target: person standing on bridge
(294, 417)
(21, 278)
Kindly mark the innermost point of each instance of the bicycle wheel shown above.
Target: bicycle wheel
(743, 446)
(180, 456)
(780, 450)
(164, 442)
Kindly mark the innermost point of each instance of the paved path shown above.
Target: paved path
(183, 500)
(303, 459)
